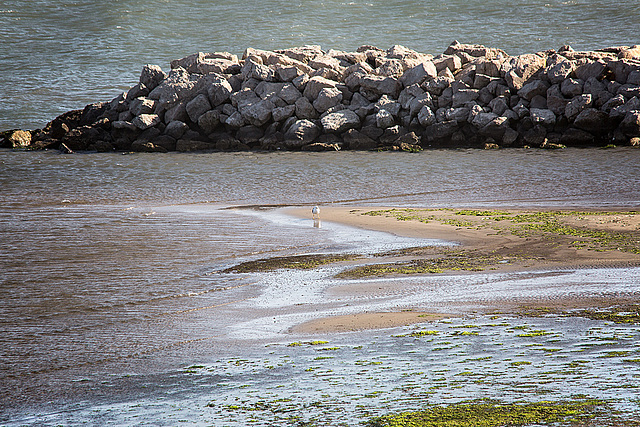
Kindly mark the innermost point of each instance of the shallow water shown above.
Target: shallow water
(60, 55)
(111, 264)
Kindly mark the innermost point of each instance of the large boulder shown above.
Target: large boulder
(302, 132)
(327, 98)
(418, 74)
(151, 76)
(257, 113)
(340, 121)
(197, 107)
(379, 85)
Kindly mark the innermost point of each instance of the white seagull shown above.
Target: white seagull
(315, 212)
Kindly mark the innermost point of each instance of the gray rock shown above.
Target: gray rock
(461, 97)
(302, 132)
(544, 117)
(498, 106)
(426, 117)
(388, 104)
(300, 82)
(146, 121)
(235, 120)
(219, 91)
(629, 90)
(593, 121)
(358, 101)
(287, 74)
(257, 113)
(315, 85)
(573, 137)
(622, 110)
(482, 119)
(254, 70)
(289, 94)
(418, 74)
(176, 129)
(137, 91)
(571, 87)
(556, 101)
(124, 124)
(460, 114)
(197, 107)
(409, 93)
(282, 113)
(151, 76)
(177, 112)
(614, 102)
(327, 98)
(249, 134)
(538, 101)
(441, 130)
(595, 69)
(304, 109)
(532, 89)
(340, 121)
(630, 125)
(208, 121)
(381, 85)
(178, 86)
(358, 141)
(560, 71)
(576, 105)
(418, 102)
(142, 105)
(186, 145)
(495, 128)
(245, 96)
(384, 119)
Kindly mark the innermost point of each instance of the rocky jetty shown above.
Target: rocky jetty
(305, 98)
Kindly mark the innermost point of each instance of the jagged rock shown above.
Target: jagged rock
(426, 117)
(522, 68)
(571, 87)
(122, 124)
(142, 105)
(176, 129)
(588, 70)
(573, 137)
(560, 70)
(418, 74)
(358, 141)
(543, 117)
(388, 104)
(178, 86)
(441, 130)
(482, 119)
(463, 96)
(219, 91)
(256, 113)
(145, 121)
(384, 119)
(197, 107)
(578, 104)
(249, 134)
(208, 122)
(304, 109)
(282, 113)
(302, 132)
(151, 76)
(630, 125)
(177, 112)
(340, 121)
(315, 85)
(593, 121)
(327, 98)
(533, 89)
(379, 85)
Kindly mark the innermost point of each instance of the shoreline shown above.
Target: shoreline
(535, 253)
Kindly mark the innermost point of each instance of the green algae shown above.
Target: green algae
(298, 262)
(485, 413)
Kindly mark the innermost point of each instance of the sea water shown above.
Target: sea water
(113, 266)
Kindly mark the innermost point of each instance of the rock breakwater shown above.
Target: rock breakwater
(305, 98)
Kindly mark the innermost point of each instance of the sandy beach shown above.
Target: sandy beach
(485, 241)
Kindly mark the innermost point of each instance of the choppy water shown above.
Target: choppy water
(110, 264)
(58, 55)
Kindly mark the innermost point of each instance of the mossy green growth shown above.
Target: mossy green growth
(490, 413)
(288, 262)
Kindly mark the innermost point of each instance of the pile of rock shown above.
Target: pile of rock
(304, 98)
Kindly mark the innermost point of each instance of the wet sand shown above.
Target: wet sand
(586, 240)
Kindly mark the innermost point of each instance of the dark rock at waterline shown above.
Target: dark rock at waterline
(305, 98)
